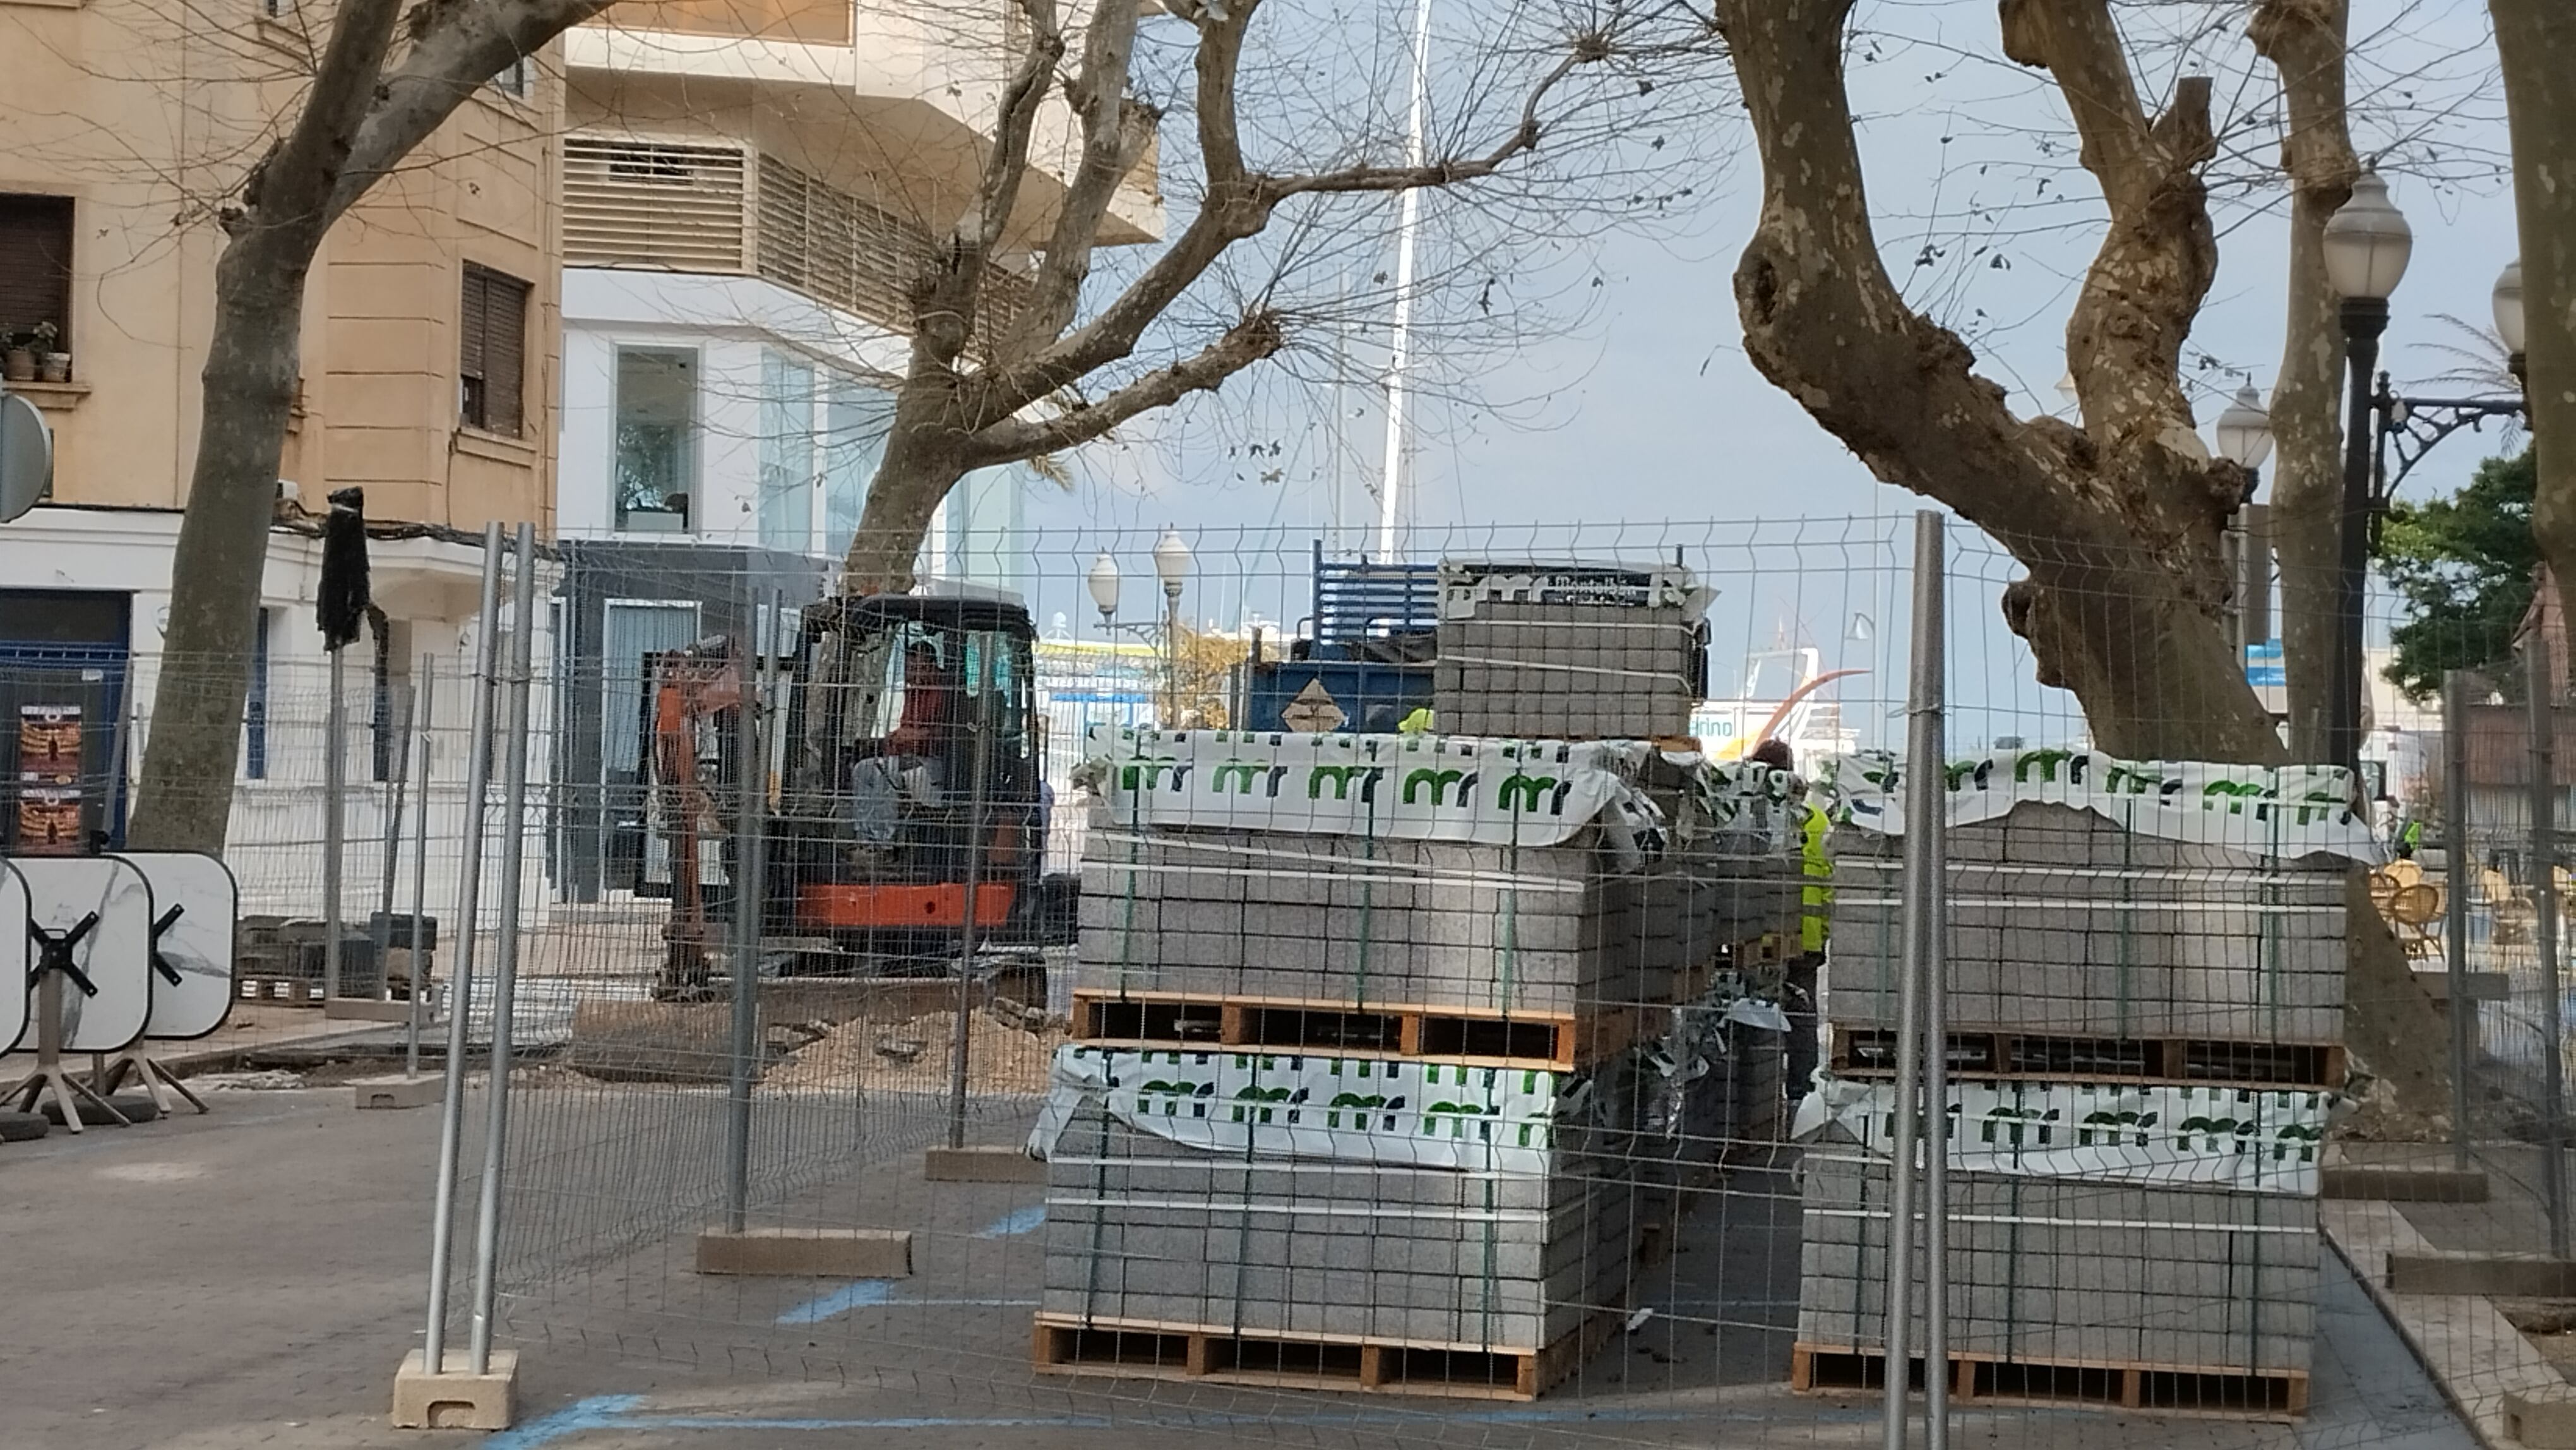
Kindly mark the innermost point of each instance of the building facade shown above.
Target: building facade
(746, 190)
(429, 362)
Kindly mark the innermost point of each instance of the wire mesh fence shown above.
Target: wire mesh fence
(1343, 993)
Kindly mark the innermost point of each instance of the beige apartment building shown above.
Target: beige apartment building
(429, 359)
(644, 291)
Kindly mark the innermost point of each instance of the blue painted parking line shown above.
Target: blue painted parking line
(1011, 1226)
(598, 1412)
(840, 1301)
(880, 1294)
(622, 1413)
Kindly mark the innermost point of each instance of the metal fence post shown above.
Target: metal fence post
(505, 965)
(2544, 935)
(380, 923)
(751, 782)
(1926, 861)
(1923, 804)
(335, 801)
(2456, 857)
(460, 977)
(424, 701)
(980, 740)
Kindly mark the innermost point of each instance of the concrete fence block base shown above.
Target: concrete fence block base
(2541, 1423)
(999, 1164)
(2395, 1184)
(454, 1399)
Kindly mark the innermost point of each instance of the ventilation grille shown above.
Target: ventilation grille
(660, 204)
(856, 255)
(686, 207)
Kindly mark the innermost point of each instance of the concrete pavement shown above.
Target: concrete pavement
(251, 1279)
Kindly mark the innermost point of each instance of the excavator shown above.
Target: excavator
(905, 782)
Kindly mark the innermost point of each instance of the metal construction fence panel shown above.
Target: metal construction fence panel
(1514, 1015)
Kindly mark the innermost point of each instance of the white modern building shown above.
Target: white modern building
(746, 191)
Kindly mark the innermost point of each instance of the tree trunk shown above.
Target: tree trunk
(921, 465)
(2118, 524)
(2305, 41)
(184, 802)
(2537, 42)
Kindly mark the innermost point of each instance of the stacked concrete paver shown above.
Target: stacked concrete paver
(2147, 1034)
(1482, 1212)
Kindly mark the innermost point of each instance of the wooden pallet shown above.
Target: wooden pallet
(2160, 1389)
(278, 991)
(1150, 1349)
(2200, 1061)
(1472, 1036)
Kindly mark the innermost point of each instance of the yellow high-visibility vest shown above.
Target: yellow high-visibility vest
(1816, 898)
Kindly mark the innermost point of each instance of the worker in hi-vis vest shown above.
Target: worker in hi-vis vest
(1815, 900)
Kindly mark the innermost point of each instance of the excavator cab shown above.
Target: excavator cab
(910, 765)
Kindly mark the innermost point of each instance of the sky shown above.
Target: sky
(1652, 414)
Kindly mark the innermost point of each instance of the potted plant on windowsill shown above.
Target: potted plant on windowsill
(52, 366)
(18, 352)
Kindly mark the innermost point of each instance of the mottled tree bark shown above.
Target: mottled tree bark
(2117, 523)
(2537, 41)
(2305, 40)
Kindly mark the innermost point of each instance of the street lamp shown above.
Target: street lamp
(2245, 433)
(2367, 246)
(1102, 581)
(2508, 313)
(1172, 566)
(2245, 439)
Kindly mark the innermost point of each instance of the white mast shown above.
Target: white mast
(1402, 352)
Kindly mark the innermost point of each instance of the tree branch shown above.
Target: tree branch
(1240, 202)
(2305, 42)
(2124, 338)
(1229, 212)
(1255, 337)
(454, 49)
(298, 183)
(1524, 137)
(1115, 130)
(1007, 164)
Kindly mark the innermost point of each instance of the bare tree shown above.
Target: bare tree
(384, 81)
(2118, 522)
(2537, 41)
(1065, 374)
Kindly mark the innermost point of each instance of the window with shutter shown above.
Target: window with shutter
(491, 355)
(36, 266)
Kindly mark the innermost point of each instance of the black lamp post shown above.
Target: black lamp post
(2367, 246)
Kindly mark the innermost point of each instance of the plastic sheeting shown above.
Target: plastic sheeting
(2259, 1140)
(1397, 1112)
(2290, 812)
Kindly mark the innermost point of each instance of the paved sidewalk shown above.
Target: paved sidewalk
(249, 1278)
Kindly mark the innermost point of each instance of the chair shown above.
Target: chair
(2416, 911)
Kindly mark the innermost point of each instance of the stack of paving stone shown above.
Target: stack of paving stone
(1368, 1027)
(1390, 1219)
(2144, 1023)
(1568, 652)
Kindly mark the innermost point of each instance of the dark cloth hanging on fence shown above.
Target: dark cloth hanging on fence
(343, 596)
